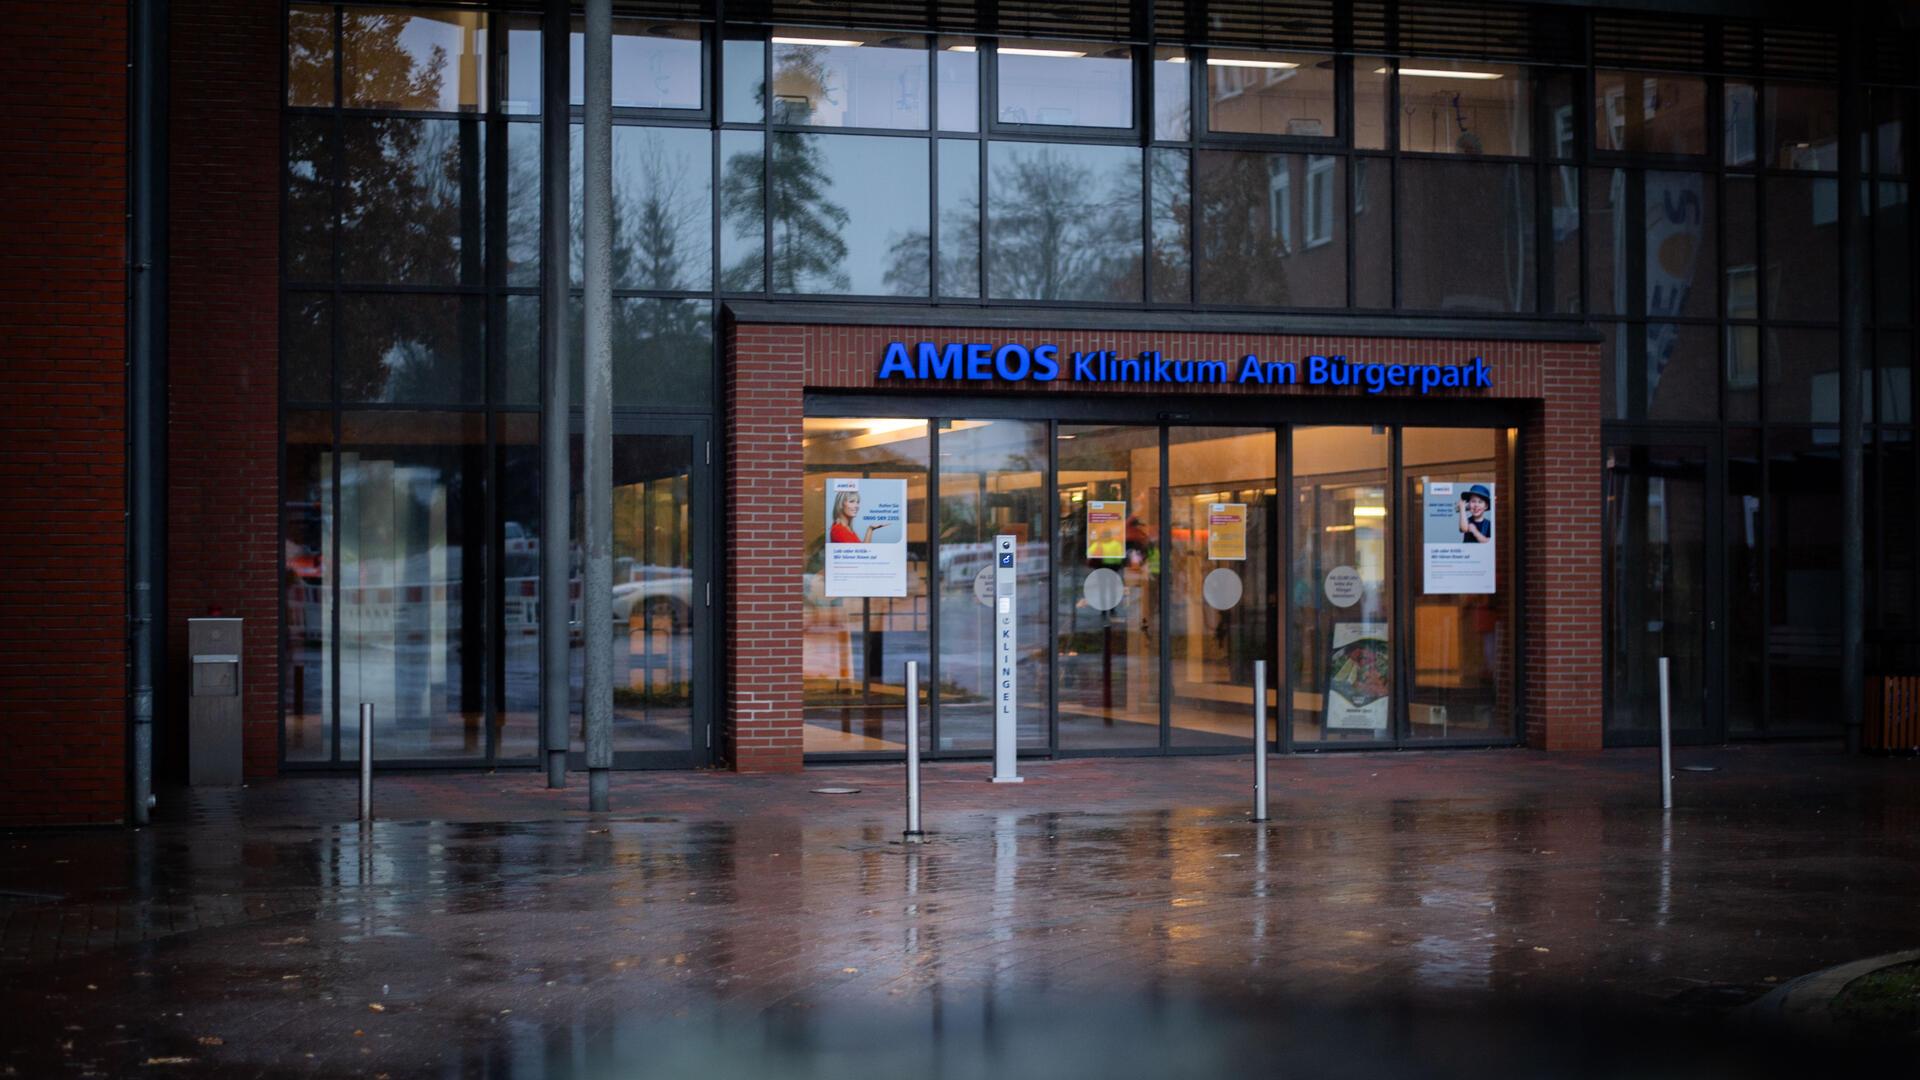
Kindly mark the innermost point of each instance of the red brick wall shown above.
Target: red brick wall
(223, 447)
(63, 284)
(769, 368)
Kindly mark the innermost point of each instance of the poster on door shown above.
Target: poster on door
(1106, 530)
(1227, 531)
(866, 549)
(1458, 532)
(1359, 677)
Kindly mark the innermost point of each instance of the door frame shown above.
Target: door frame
(705, 685)
(1707, 439)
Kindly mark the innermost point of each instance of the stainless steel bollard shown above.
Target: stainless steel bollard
(913, 749)
(1259, 740)
(1666, 740)
(366, 762)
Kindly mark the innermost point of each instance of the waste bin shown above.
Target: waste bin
(213, 702)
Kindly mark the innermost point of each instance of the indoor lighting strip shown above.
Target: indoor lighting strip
(837, 43)
(1437, 73)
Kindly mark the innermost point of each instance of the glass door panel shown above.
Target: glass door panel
(1341, 588)
(1656, 588)
(1221, 581)
(992, 480)
(1107, 589)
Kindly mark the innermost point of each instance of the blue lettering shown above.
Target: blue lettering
(1046, 363)
(1012, 372)
(895, 362)
(941, 363)
(1083, 366)
(979, 362)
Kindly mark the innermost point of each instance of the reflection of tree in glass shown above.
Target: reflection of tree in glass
(908, 262)
(659, 213)
(1243, 256)
(809, 254)
(1060, 230)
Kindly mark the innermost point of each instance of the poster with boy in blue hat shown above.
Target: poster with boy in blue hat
(1458, 535)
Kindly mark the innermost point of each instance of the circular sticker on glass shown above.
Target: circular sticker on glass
(1221, 588)
(1103, 589)
(1343, 586)
(983, 586)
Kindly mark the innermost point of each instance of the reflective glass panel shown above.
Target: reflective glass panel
(959, 218)
(1065, 84)
(1740, 386)
(1372, 232)
(308, 231)
(1803, 126)
(1641, 113)
(1263, 93)
(1803, 571)
(413, 58)
(1803, 376)
(993, 482)
(849, 78)
(1893, 399)
(1107, 619)
(1460, 107)
(1340, 587)
(1892, 253)
(1466, 236)
(1271, 229)
(411, 348)
(411, 201)
(1563, 283)
(855, 648)
(1889, 130)
(521, 97)
(517, 454)
(743, 211)
(655, 65)
(1372, 102)
(1063, 222)
(1458, 486)
(1802, 230)
(310, 55)
(1172, 94)
(958, 67)
(1738, 106)
(1683, 372)
(1172, 226)
(1742, 530)
(306, 633)
(849, 214)
(743, 92)
(522, 252)
(306, 347)
(662, 208)
(1656, 585)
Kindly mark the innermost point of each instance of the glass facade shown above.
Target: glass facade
(1687, 214)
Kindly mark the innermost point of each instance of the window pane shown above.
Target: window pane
(1456, 107)
(1742, 287)
(306, 348)
(742, 212)
(993, 481)
(410, 203)
(1803, 126)
(1063, 222)
(1372, 232)
(1563, 283)
(655, 65)
(1340, 645)
(411, 348)
(959, 71)
(522, 94)
(851, 79)
(1172, 227)
(519, 381)
(1609, 219)
(1462, 682)
(1372, 102)
(1745, 577)
(662, 209)
(1738, 121)
(1266, 93)
(523, 204)
(1683, 372)
(1466, 237)
(959, 218)
(1892, 254)
(663, 353)
(744, 93)
(855, 649)
(1172, 95)
(1067, 84)
(1803, 376)
(847, 210)
(1890, 130)
(1803, 249)
(307, 639)
(413, 562)
(413, 58)
(1740, 392)
(1803, 570)
(1894, 367)
(1622, 355)
(1679, 245)
(310, 56)
(1891, 528)
(1107, 616)
(311, 171)
(517, 465)
(1271, 229)
(1557, 106)
(1638, 113)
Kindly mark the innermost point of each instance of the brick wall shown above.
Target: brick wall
(63, 391)
(770, 367)
(223, 473)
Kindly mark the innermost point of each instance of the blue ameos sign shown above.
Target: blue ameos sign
(1015, 363)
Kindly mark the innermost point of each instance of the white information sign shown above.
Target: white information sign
(1343, 586)
(1457, 530)
(866, 549)
(1005, 641)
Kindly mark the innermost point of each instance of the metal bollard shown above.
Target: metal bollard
(913, 750)
(1666, 740)
(1259, 740)
(366, 762)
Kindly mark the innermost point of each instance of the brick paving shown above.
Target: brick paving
(490, 919)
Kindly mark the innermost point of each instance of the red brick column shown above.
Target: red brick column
(223, 394)
(63, 287)
(763, 630)
(1560, 460)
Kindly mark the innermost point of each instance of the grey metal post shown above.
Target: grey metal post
(913, 748)
(1855, 280)
(146, 389)
(596, 585)
(556, 515)
(1259, 740)
(1666, 740)
(366, 762)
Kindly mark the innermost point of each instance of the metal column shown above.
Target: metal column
(556, 524)
(146, 387)
(596, 585)
(1854, 285)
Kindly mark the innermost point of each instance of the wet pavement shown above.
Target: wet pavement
(1445, 914)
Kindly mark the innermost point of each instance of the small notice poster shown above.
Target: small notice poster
(1227, 531)
(866, 552)
(1359, 677)
(1107, 530)
(1458, 534)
